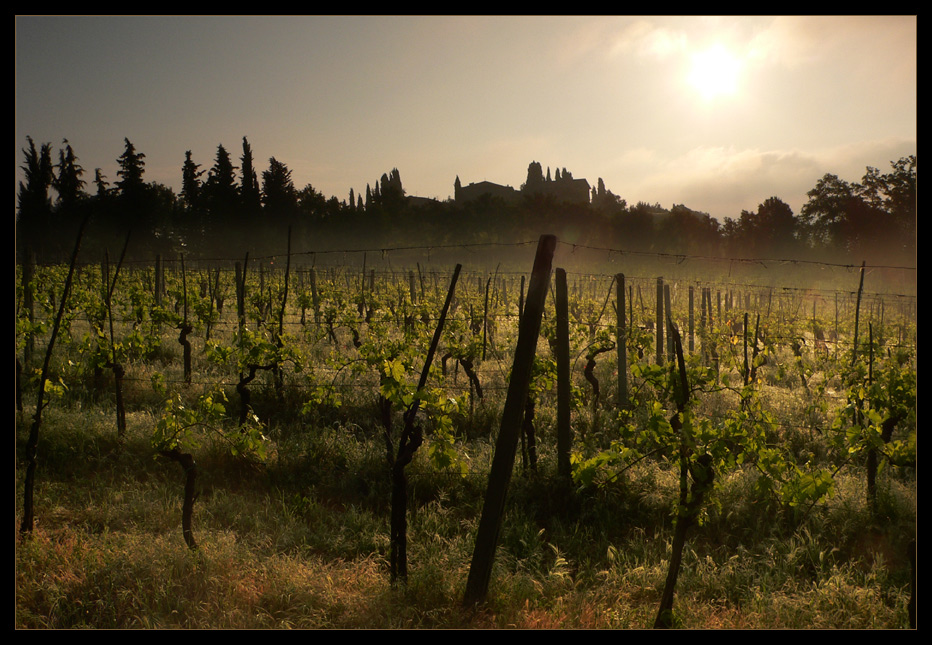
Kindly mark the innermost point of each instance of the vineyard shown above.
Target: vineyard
(533, 435)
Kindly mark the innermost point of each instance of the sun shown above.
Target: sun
(714, 72)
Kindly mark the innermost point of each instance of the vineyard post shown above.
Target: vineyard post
(631, 305)
(880, 340)
(420, 277)
(871, 451)
(159, 280)
(261, 282)
(692, 344)
(521, 302)
(485, 316)
(480, 571)
(835, 350)
(702, 326)
(279, 377)
(185, 327)
(669, 317)
(747, 367)
(659, 321)
(33, 442)
(755, 349)
(241, 292)
(315, 299)
(563, 375)
(621, 342)
(857, 313)
(115, 366)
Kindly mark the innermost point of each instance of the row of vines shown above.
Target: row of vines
(637, 368)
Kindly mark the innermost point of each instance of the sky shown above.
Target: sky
(717, 113)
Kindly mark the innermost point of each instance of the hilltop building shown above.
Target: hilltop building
(475, 191)
(563, 187)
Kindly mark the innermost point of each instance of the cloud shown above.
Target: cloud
(646, 39)
(724, 181)
(869, 42)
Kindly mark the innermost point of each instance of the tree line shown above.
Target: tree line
(228, 209)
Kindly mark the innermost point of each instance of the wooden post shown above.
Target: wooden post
(32, 443)
(659, 321)
(480, 571)
(692, 321)
(857, 314)
(315, 299)
(621, 341)
(410, 440)
(159, 280)
(563, 375)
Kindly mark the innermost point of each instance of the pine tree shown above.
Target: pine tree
(191, 183)
(221, 197)
(535, 177)
(35, 209)
(100, 180)
(131, 171)
(68, 183)
(278, 192)
(249, 187)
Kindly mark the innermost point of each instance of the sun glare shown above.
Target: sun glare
(714, 72)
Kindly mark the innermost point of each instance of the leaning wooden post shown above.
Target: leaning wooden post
(32, 443)
(480, 571)
(410, 441)
(564, 438)
(621, 342)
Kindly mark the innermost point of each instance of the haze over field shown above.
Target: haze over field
(718, 113)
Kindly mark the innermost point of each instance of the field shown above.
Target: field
(256, 443)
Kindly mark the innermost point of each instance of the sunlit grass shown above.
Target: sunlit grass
(302, 543)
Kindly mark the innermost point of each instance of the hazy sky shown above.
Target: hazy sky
(717, 113)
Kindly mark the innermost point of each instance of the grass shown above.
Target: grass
(302, 542)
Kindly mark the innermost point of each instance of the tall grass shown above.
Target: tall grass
(302, 542)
